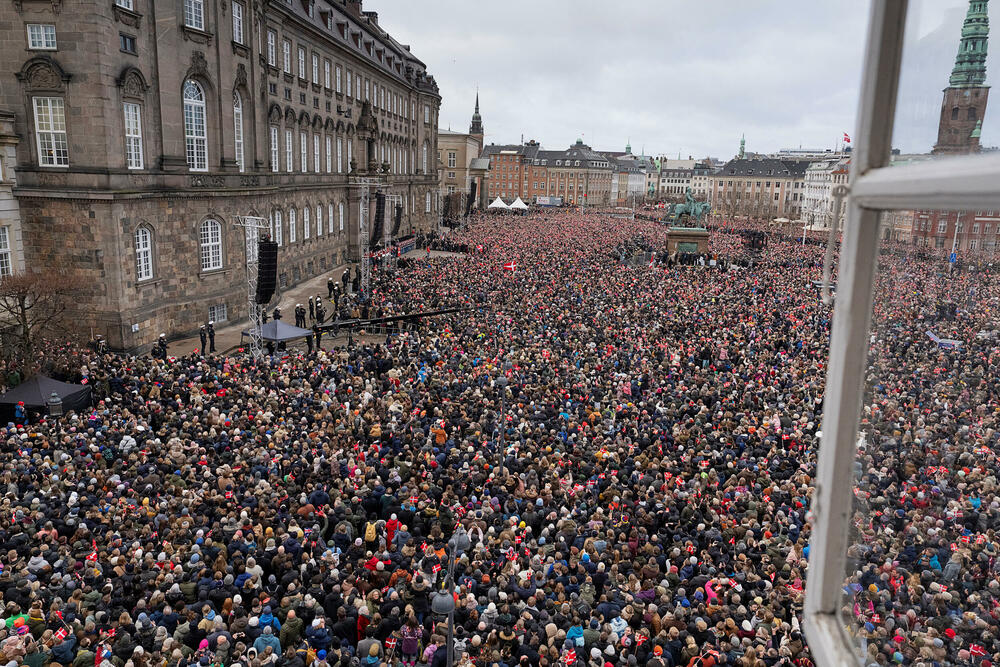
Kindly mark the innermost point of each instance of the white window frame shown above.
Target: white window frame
(195, 142)
(132, 114)
(278, 228)
(289, 151)
(329, 154)
(286, 53)
(960, 183)
(302, 62)
(39, 35)
(305, 223)
(124, 4)
(272, 48)
(303, 151)
(291, 226)
(194, 14)
(143, 239)
(6, 256)
(319, 221)
(210, 243)
(315, 68)
(339, 76)
(51, 140)
(340, 208)
(340, 155)
(327, 66)
(316, 154)
(427, 202)
(218, 313)
(329, 218)
(275, 152)
(238, 36)
(238, 130)
(427, 113)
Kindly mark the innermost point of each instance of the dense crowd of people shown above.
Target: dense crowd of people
(634, 491)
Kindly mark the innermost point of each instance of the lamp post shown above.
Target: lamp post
(443, 600)
(55, 405)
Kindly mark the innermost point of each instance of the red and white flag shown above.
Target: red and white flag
(847, 138)
(436, 568)
(61, 634)
(570, 657)
(977, 650)
(510, 266)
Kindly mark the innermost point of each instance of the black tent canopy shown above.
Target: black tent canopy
(278, 332)
(36, 391)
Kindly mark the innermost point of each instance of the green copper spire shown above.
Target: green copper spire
(970, 63)
(628, 147)
(743, 145)
(978, 132)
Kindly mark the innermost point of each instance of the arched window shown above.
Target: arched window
(195, 133)
(211, 245)
(424, 158)
(340, 207)
(291, 225)
(238, 128)
(143, 253)
(329, 218)
(954, 113)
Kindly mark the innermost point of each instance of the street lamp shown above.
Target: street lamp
(443, 603)
(55, 405)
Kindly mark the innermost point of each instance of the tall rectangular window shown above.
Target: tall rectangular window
(340, 155)
(194, 14)
(305, 223)
(326, 73)
(41, 37)
(339, 70)
(289, 151)
(315, 64)
(451, 159)
(238, 22)
(143, 253)
(329, 218)
(319, 221)
(427, 113)
(50, 132)
(6, 264)
(329, 154)
(238, 130)
(349, 85)
(316, 156)
(286, 52)
(303, 152)
(357, 86)
(133, 135)
(292, 224)
(125, 4)
(272, 53)
(302, 63)
(274, 148)
(427, 203)
(349, 158)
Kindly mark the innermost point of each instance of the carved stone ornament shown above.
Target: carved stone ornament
(241, 76)
(126, 17)
(274, 114)
(132, 84)
(199, 66)
(43, 73)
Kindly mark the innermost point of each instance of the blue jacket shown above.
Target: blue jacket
(264, 641)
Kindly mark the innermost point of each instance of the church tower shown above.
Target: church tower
(964, 103)
(477, 121)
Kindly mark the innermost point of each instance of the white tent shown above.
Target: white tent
(520, 205)
(498, 203)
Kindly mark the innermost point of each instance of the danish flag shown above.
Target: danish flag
(510, 266)
(639, 639)
(847, 138)
(390, 643)
(436, 568)
(976, 649)
(570, 657)
(61, 634)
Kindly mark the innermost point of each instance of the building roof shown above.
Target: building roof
(765, 167)
(480, 163)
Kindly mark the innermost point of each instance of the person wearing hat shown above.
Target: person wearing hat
(203, 336)
(211, 337)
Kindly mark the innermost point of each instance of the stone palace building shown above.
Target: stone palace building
(145, 127)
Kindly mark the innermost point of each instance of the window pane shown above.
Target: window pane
(922, 545)
(945, 47)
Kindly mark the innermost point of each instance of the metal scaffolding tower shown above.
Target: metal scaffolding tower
(364, 258)
(251, 231)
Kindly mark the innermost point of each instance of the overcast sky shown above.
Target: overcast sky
(672, 76)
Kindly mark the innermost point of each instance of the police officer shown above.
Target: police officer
(160, 349)
(330, 285)
(277, 314)
(320, 312)
(344, 277)
(211, 336)
(203, 335)
(312, 308)
(318, 333)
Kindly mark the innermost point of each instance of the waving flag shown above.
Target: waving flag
(510, 266)
(570, 657)
(847, 138)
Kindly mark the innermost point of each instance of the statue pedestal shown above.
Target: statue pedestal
(687, 239)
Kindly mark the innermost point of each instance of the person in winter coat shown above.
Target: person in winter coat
(266, 639)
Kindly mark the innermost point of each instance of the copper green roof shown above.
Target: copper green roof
(970, 63)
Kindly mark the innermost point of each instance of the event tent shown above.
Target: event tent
(279, 332)
(518, 204)
(498, 203)
(36, 391)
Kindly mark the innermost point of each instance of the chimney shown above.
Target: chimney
(372, 16)
(353, 8)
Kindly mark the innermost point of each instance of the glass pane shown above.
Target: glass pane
(943, 87)
(922, 557)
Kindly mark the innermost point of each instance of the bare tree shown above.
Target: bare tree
(32, 307)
